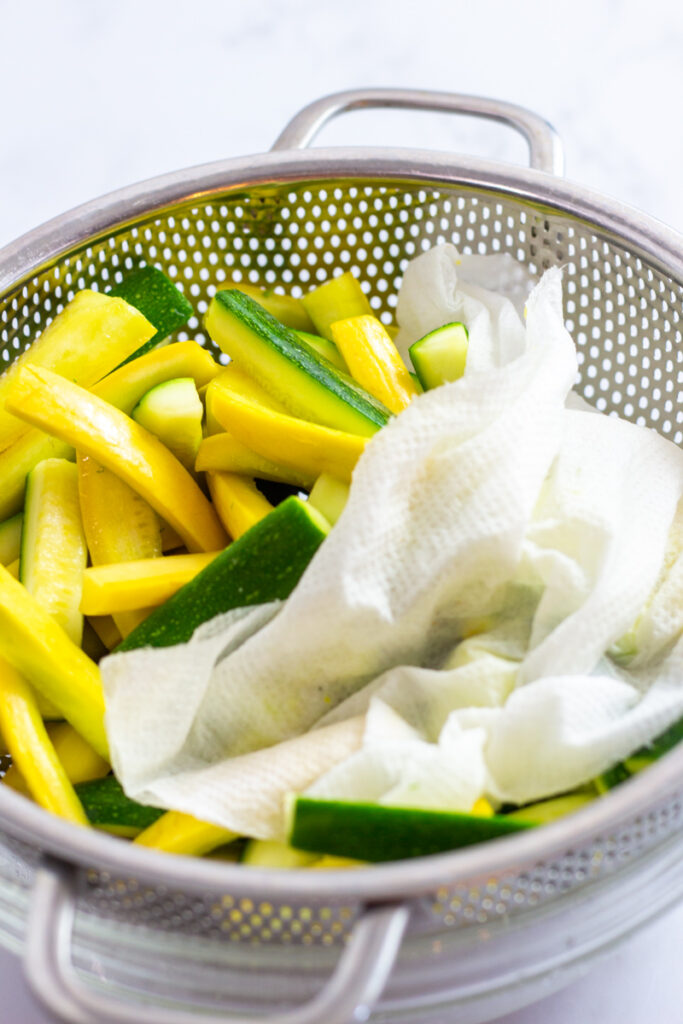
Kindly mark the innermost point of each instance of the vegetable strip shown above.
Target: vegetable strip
(99, 429)
(32, 750)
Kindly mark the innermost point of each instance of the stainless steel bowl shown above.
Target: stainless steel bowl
(112, 932)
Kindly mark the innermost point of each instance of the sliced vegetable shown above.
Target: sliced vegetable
(77, 758)
(91, 643)
(31, 749)
(145, 583)
(661, 745)
(238, 381)
(374, 361)
(614, 776)
(158, 299)
(125, 387)
(170, 540)
(13, 569)
(642, 758)
(106, 629)
(330, 863)
(482, 807)
(10, 539)
(239, 503)
(265, 853)
(181, 833)
(275, 357)
(375, 832)
(98, 429)
(263, 565)
(173, 412)
(120, 526)
(41, 651)
(53, 548)
(17, 462)
(306, 447)
(224, 452)
(338, 299)
(84, 342)
(108, 807)
(285, 308)
(441, 355)
(325, 348)
(329, 496)
(550, 810)
(122, 388)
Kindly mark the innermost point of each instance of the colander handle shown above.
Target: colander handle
(348, 996)
(545, 148)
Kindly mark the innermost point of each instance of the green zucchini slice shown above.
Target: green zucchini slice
(375, 832)
(440, 356)
(173, 412)
(159, 301)
(265, 564)
(308, 386)
(108, 807)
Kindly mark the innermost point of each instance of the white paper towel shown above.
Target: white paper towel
(485, 510)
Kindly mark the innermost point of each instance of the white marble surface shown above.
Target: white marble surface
(98, 95)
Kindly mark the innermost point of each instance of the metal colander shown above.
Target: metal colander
(114, 933)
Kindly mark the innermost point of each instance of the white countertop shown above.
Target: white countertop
(100, 95)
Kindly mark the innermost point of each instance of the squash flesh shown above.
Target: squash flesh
(98, 429)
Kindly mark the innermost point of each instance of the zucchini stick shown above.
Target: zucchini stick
(374, 361)
(237, 501)
(175, 832)
(78, 759)
(305, 446)
(125, 586)
(32, 750)
(224, 452)
(83, 343)
(98, 429)
(41, 651)
(120, 526)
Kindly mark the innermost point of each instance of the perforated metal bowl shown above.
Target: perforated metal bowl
(114, 933)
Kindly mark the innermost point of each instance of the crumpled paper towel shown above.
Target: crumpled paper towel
(486, 511)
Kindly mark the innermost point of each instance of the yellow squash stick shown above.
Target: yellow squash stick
(175, 832)
(84, 342)
(98, 429)
(120, 526)
(32, 750)
(223, 451)
(41, 651)
(106, 629)
(336, 299)
(238, 502)
(305, 446)
(125, 387)
(147, 582)
(122, 388)
(374, 361)
(78, 759)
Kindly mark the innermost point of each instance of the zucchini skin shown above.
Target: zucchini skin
(339, 402)
(106, 805)
(154, 295)
(265, 564)
(377, 832)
